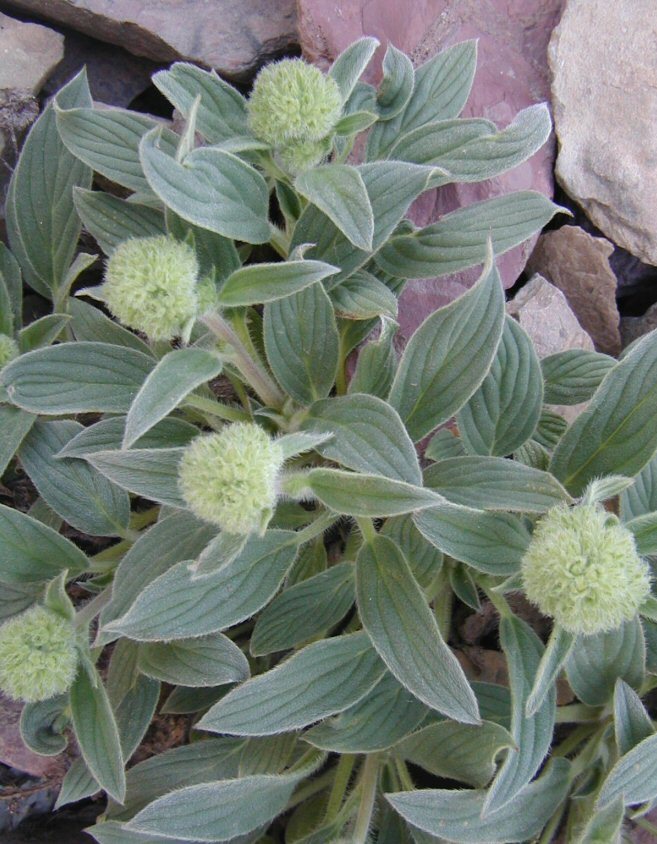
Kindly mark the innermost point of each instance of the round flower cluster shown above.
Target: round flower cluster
(582, 569)
(229, 478)
(294, 108)
(151, 285)
(8, 349)
(38, 655)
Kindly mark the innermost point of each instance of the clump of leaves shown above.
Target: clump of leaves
(284, 553)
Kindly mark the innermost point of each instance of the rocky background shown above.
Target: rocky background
(588, 282)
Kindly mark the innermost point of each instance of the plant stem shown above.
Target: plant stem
(342, 776)
(368, 785)
(499, 602)
(317, 527)
(644, 824)
(404, 776)
(577, 713)
(309, 789)
(553, 824)
(254, 374)
(215, 408)
(90, 610)
(573, 741)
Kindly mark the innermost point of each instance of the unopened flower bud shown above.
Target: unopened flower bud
(298, 156)
(8, 349)
(582, 569)
(38, 655)
(150, 285)
(292, 100)
(229, 478)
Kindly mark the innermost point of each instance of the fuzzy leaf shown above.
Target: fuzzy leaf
(90, 324)
(448, 357)
(319, 680)
(263, 282)
(149, 472)
(397, 84)
(350, 64)
(363, 296)
(111, 220)
(633, 777)
(632, 724)
(641, 497)
(573, 376)
(14, 425)
(504, 412)
(405, 633)
(107, 435)
(211, 188)
(205, 661)
(615, 434)
(176, 375)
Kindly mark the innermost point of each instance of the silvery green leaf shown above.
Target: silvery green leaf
(444, 445)
(90, 324)
(74, 490)
(268, 754)
(107, 435)
(111, 832)
(493, 543)
(448, 356)
(632, 724)
(504, 412)
(615, 434)
(200, 761)
(76, 378)
(304, 610)
(532, 735)
(264, 282)
(176, 375)
(77, 784)
(648, 611)
(633, 777)
(17, 597)
(319, 680)
(212, 189)
(108, 140)
(550, 429)
(204, 661)
(352, 124)
(111, 220)
(552, 662)
(391, 187)
(14, 425)
(302, 344)
(492, 483)
(489, 155)
(573, 376)
(397, 84)
(363, 296)
(97, 734)
(42, 332)
(442, 86)
(368, 436)
(494, 702)
(644, 529)
(350, 64)
(533, 454)
(300, 441)
(187, 701)
(42, 225)
(222, 550)
(641, 497)
(33, 552)
(368, 495)
(221, 810)
(457, 813)
(7, 323)
(601, 489)
(405, 633)
(339, 191)
(376, 364)
(432, 141)
(217, 256)
(597, 661)
(385, 715)
(604, 825)
(149, 472)
(10, 272)
(462, 752)
(178, 605)
(221, 112)
(458, 240)
(42, 726)
(464, 586)
(424, 559)
(135, 712)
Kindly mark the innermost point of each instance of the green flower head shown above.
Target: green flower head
(293, 101)
(298, 156)
(8, 349)
(582, 569)
(150, 285)
(38, 655)
(229, 478)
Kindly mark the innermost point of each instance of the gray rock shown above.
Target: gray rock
(234, 38)
(578, 264)
(604, 94)
(28, 54)
(631, 328)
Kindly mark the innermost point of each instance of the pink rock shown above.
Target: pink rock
(14, 753)
(511, 75)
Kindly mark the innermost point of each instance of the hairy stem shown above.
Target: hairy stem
(342, 776)
(368, 785)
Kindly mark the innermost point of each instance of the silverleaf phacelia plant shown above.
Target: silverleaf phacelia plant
(282, 551)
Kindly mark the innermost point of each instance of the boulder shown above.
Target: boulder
(234, 38)
(578, 264)
(511, 75)
(632, 328)
(604, 66)
(28, 54)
